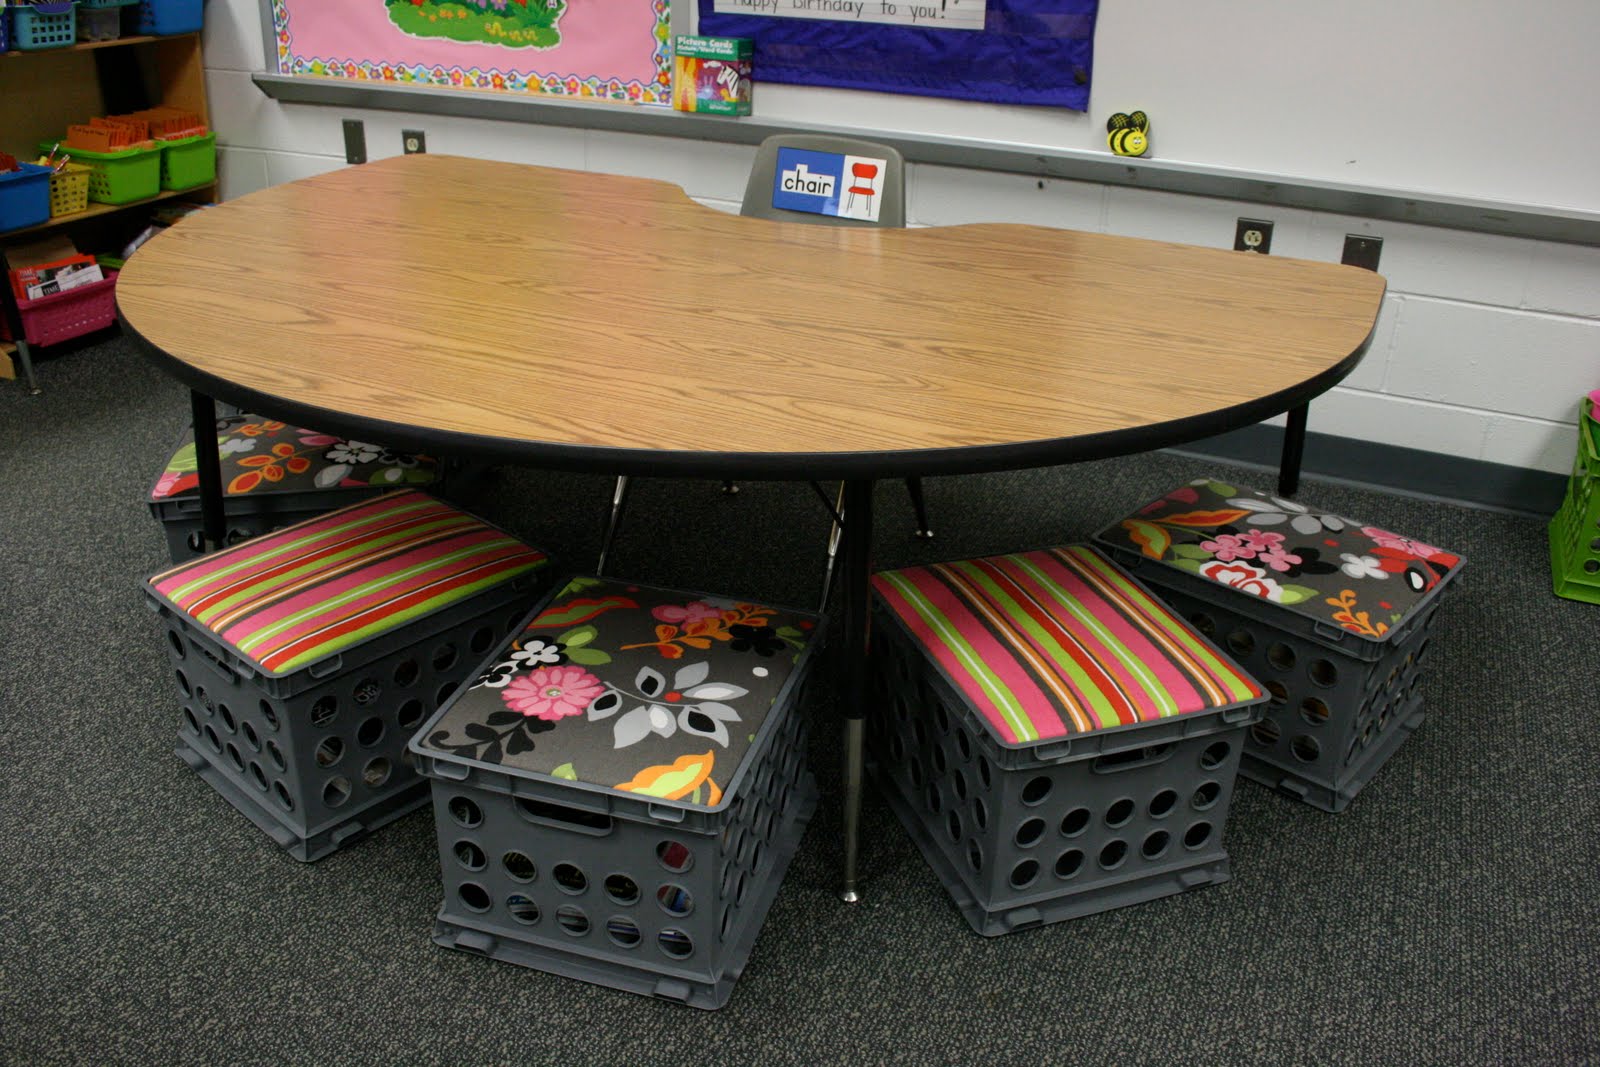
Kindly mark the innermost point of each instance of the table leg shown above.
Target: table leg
(855, 604)
(919, 506)
(208, 466)
(619, 500)
(26, 359)
(1294, 447)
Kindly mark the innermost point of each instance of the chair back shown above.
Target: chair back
(867, 185)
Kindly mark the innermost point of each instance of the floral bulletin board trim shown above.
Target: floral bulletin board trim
(642, 690)
(1362, 578)
(521, 39)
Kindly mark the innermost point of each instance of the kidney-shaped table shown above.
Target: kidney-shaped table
(582, 321)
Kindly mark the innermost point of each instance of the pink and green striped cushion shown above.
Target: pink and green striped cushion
(307, 591)
(1048, 644)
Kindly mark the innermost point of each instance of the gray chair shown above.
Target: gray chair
(758, 189)
(862, 188)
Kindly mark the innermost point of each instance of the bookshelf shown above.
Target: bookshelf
(45, 91)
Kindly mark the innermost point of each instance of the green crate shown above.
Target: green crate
(118, 177)
(188, 161)
(1574, 532)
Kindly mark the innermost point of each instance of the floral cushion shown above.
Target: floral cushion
(643, 690)
(266, 456)
(1364, 579)
(289, 598)
(1046, 644)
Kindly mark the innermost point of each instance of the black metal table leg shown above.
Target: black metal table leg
(208, 465)
(1294, 447)
(919, 506)
(857, 552)
(619, 501)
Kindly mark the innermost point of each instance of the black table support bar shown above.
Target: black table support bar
(208, 465)
(1294, 447)
(857, 551)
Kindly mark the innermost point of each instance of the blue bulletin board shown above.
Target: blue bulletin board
(1037, 52)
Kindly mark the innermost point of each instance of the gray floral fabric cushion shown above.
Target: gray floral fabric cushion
(648, 691)
(262, 456)
(1324, 567)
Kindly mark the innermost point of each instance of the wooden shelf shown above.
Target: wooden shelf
(86, 46)
(106, 209)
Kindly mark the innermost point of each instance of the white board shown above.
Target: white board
(1455, 98)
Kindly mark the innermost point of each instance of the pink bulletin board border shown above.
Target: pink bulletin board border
(655, 87)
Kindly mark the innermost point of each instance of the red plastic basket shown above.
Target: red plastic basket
(63, 316)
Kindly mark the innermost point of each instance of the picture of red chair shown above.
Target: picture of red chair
(866, 173)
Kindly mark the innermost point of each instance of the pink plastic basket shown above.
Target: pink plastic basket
(52, 319)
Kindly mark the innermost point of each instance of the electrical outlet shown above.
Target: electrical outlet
(355, 141)
(413, 142)
(1361, 251)
(1253, 235)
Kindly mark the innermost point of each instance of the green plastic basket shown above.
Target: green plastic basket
(1575, 530)
(188, 161)
(118, 177)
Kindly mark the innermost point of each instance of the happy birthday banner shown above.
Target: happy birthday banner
(945, 14)
(1037, 52)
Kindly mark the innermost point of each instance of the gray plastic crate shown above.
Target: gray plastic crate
(316, 757)
(294, 496)
(1064, 831)
(1343, 664)
(617, 897)
(1333, 719)
(651, 895)
(1023, 834)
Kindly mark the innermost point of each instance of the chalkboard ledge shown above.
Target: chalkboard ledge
(1425, 209)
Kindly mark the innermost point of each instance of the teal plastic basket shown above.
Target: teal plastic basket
(36, 27)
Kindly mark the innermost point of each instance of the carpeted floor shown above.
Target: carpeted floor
(1451, 915)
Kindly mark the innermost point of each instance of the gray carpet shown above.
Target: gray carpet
(1449, 916)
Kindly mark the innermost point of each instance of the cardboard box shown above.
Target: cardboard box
(712, 75)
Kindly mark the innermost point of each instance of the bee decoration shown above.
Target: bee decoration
(1128, 134)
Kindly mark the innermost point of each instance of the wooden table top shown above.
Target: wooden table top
(593, 321)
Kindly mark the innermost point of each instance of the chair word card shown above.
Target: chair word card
(828, 183)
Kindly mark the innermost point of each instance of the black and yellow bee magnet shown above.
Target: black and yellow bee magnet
(1128, 134)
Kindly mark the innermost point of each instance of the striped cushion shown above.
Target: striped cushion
(300, 594)
(1058, 642)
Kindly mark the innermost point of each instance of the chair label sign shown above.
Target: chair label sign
(828, 183)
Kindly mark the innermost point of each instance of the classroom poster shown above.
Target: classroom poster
(1003, 51)
(592, 49)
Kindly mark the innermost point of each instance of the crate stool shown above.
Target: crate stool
(1574, 531)
(306, 657)
(619, 794)
(1333, 615)
(1054, 739)
(274, 474)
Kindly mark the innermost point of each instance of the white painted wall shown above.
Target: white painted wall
(1485, 343)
